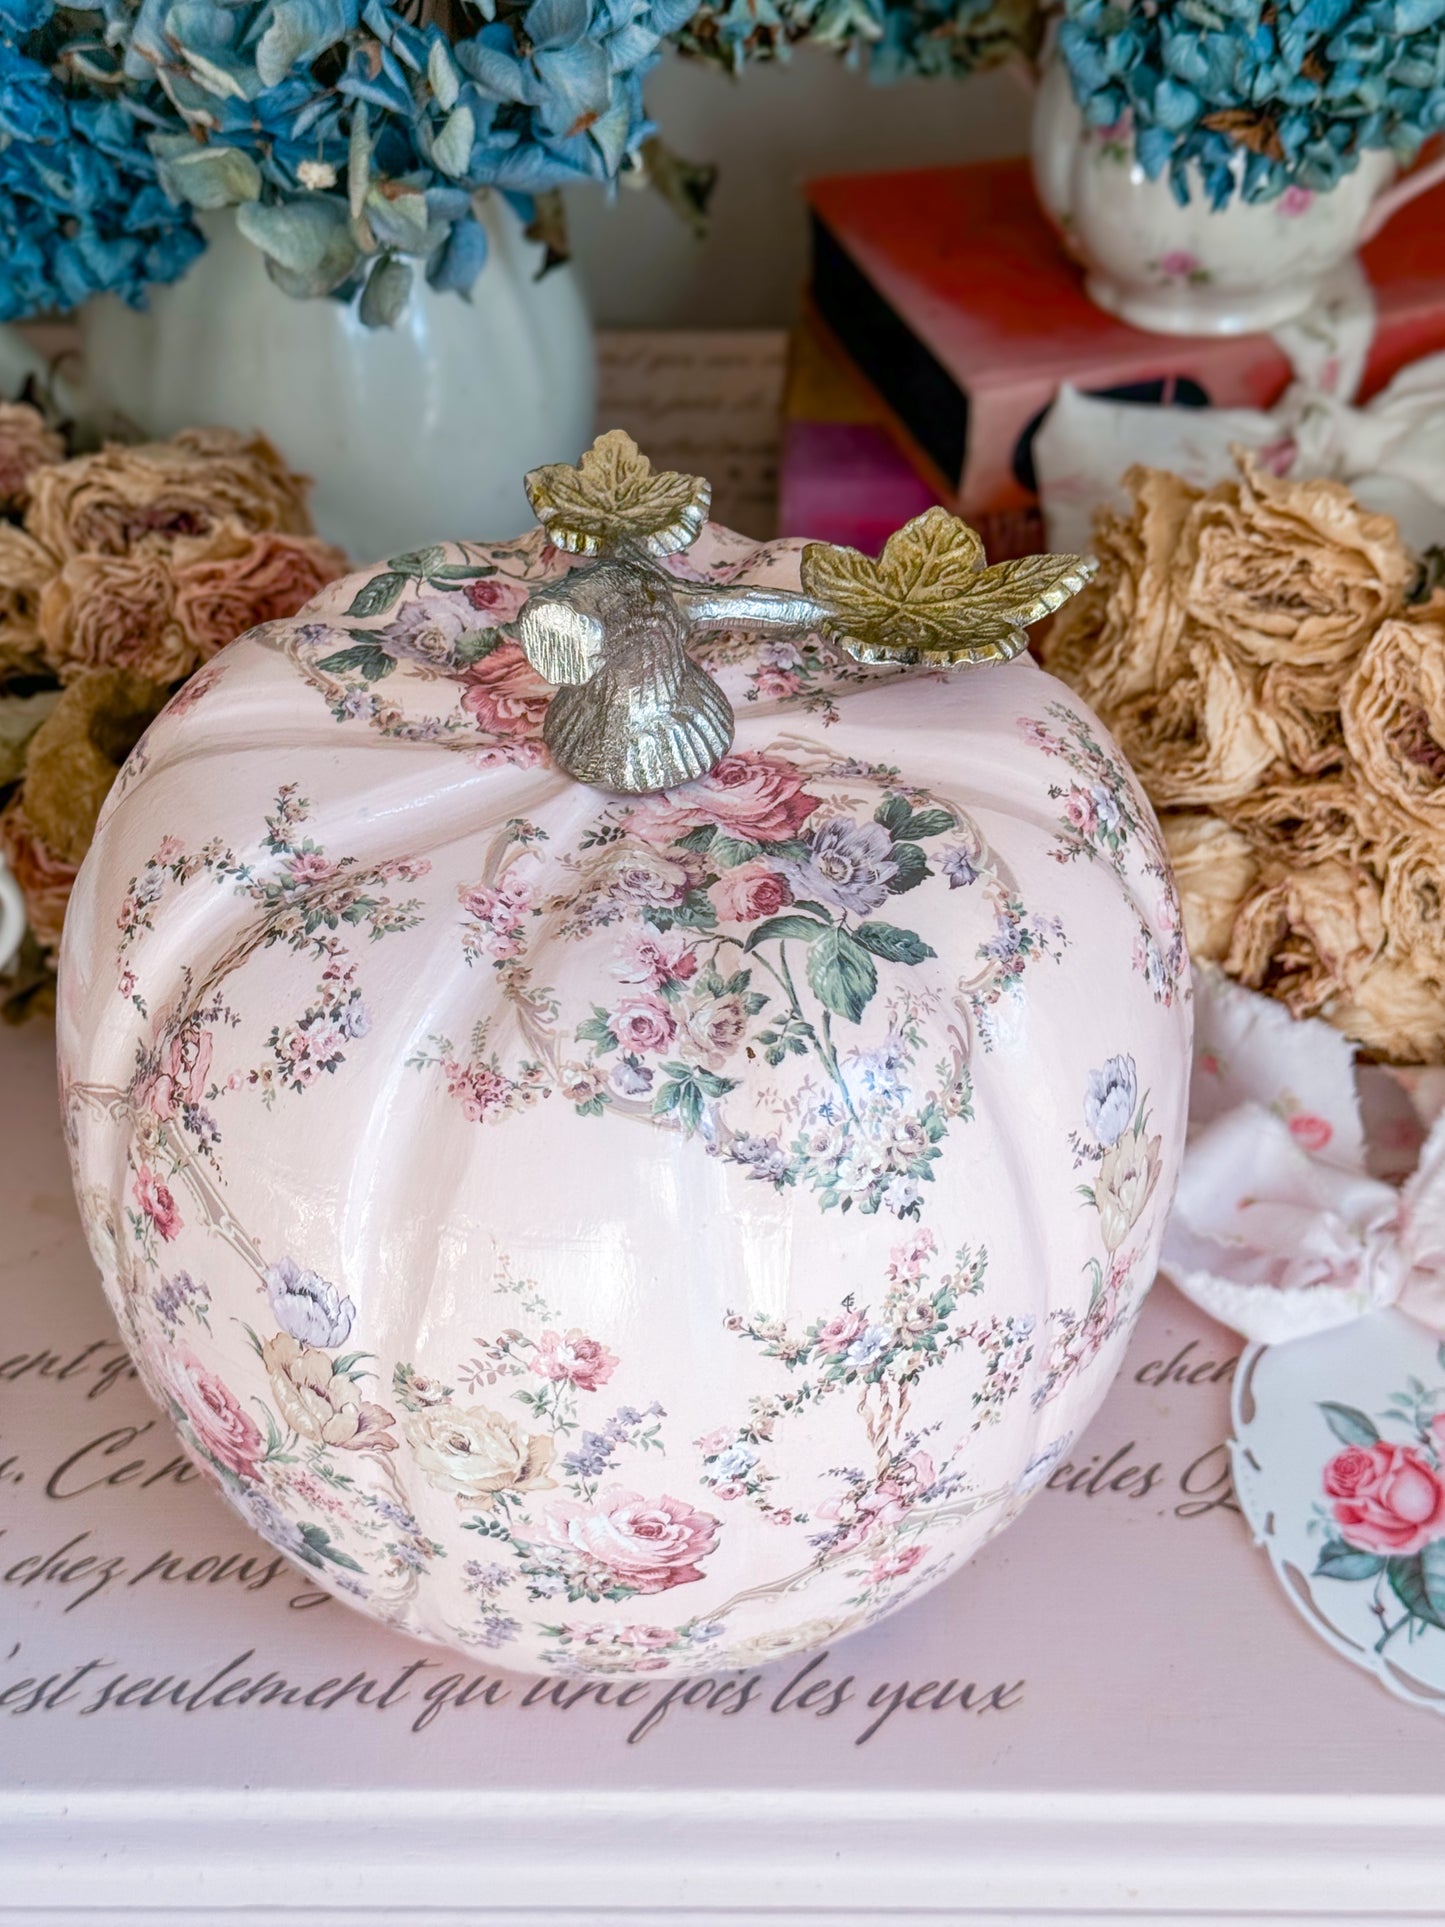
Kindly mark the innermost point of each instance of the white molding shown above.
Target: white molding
(340, 1856)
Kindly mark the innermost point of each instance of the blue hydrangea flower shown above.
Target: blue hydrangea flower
(1255, 96)
(892, 38)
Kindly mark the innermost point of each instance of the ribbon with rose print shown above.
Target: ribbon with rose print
(1313, 1190)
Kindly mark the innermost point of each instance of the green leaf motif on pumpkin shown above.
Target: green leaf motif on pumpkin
(804, 929)
(886, 940)
(375, 597)
(843, 974)
(365, 659)
(912, 868)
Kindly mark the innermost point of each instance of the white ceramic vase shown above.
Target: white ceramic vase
(410, 432)
(1194, 269)
(12, 915)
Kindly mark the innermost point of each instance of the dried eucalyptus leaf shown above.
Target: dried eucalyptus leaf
(206, 176)
(358, 161)
(452, 148)
(387, 290)
(398, 217)
(307, 243)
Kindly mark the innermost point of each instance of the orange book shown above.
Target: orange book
(955, 305)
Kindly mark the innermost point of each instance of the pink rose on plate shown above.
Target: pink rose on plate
(840, 1331)
(505, 694)
(648, 1545)
(1312, 1132)
(580, 1360)
(1387, 1498)
(156, 1203)
(221, 1427)
(755, 798)
(751, 891)
(643, 1024)
(498, 597)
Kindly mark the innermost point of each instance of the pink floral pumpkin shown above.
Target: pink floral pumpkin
(621, 1235)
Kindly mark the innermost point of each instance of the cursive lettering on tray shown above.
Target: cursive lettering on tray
(423, 1689)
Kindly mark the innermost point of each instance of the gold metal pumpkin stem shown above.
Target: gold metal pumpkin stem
(635, 713)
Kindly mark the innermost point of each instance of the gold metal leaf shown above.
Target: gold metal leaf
(614, 497)
(929, 597)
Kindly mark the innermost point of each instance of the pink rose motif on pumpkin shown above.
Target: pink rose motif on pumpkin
(1179, 264)
(865, 1515)
(505, 695)
(1312, 1133)
(643, 1024)
(752, 797)
(840, 1331)
(310, 866)
(893, 1565)
(1295, 201)
(214, 1413)
(643, 1545)
(655, 957)
(498, 597)
(577, 1359)
(751, 891)
(1080, 809)
(156, 1203)
(180, 1077)
(1387, 1498)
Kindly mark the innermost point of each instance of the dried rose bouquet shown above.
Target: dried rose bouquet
(1261, 652)
(121, 572)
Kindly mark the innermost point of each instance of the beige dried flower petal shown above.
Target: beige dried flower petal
(1393, 711)
(234, 579)
(26, 444)
(122, 498)
(614, 496)
(1121, 635)
(25, 568)
(1201, 738)
(1291, 571)
(115, 612)
(1307, 936)
(929, 596)
(1303, 820)
(1214, 868)
(45, 881)
(1304, 703)
(1414, 903)
(1395, 1013)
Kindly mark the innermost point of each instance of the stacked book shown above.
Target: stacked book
(942, 316)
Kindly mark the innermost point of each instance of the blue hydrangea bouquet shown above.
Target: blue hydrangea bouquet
(1258, 95)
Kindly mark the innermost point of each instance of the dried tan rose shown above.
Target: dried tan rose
(115, 612)
(1395, 1012)
(1394, 715)
(1119, 636)
(1414, 903)
(1304, 703)
(1307, 936)
(1200, 738)
(45, 881)
(25, 568)
(76, 753)
(1215, 868)
(110, 502)
(233, 579)
(1291, 571)
(26, 444)
(1303, 820)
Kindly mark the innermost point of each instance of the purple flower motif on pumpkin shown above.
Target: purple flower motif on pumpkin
(848, 865)
(306, 1306)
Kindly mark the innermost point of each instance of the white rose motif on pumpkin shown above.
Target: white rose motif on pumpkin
(1127, 1176)
(1110, 1098)
(476, 1454)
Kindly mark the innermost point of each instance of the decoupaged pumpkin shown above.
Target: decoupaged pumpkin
(612, 1232)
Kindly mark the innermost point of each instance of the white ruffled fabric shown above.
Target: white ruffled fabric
(1391, 452)
(1312, 1193)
